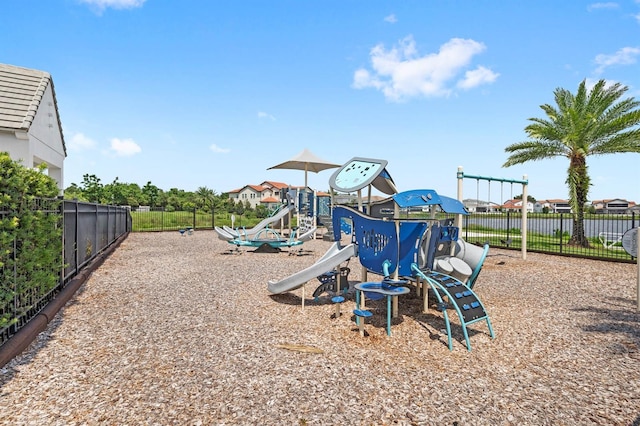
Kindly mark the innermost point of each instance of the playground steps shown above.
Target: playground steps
(465, 299)
(327, 222)
(465, 302)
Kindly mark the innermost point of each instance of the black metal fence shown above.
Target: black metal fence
(158, 219)
(551, 233)
(88, 229)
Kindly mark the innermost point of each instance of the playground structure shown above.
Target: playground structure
(227, 233)
(400, 250)
(265, 238)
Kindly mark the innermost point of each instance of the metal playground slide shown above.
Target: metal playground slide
(227, 233)
(331, 259)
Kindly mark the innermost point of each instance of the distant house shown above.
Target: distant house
(515, 205)
(613, 206)
(30, 128)
(474, 205)
(270, 202)
(272, 194)
(267, 193)
(552, 206)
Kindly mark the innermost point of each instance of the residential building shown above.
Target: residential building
(515, 205)
(552, 206)
(30, 127)
(474, 205)
(268, 193)
(614, 206)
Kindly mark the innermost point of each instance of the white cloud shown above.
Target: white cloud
(401, 73)
(265, 115)
(605, 5)
(216, 148)
(391, 19)
(101, 5)
(124, 147)
(79, 142)
(477, 77)
(624, 56)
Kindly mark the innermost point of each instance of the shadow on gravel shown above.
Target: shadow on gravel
(620, 319)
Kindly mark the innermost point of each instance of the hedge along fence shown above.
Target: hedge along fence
(45, 242)
(30, 243)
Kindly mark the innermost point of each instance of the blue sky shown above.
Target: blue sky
(211, 93)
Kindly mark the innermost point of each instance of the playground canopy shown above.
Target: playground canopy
(429, 197)
(307, 161)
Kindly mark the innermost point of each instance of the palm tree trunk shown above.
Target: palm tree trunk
(580, 181)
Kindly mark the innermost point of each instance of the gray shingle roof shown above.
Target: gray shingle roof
(21, 91)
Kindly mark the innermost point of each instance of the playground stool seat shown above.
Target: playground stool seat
(337, 300)
(361, 315)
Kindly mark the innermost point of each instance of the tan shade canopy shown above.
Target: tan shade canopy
(307, 161)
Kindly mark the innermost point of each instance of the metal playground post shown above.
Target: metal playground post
(630, 243)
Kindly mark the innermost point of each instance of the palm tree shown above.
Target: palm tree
(591, 122)
(205, 196)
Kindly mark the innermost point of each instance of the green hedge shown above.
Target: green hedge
(30, 238)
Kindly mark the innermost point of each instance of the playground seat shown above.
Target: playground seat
(476, 271)
(361, 315)
(337, 300)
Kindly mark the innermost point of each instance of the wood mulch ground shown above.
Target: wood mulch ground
(174, 330)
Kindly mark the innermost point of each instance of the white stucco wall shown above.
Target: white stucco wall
(42, 144)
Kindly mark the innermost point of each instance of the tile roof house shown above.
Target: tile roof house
(30, 128)
(267, 193)
(516, 205)
(552, 206)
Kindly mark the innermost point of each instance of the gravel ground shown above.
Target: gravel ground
(174, 330)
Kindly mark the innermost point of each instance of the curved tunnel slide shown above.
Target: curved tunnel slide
(331, 259)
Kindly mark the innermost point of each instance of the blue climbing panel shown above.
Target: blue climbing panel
(459, 297)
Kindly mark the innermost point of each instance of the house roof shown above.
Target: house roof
(509, 204)
(21, 91)
(554, 201)
(270, 200)
(277, 185)
(257, 188)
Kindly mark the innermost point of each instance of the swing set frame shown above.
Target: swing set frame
(524, 182)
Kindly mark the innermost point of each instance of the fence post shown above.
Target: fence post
(75, 237)
(561, 230)
(61, 283)
(14, 326)
(525, 204)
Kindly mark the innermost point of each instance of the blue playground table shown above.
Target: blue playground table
(382, 289)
